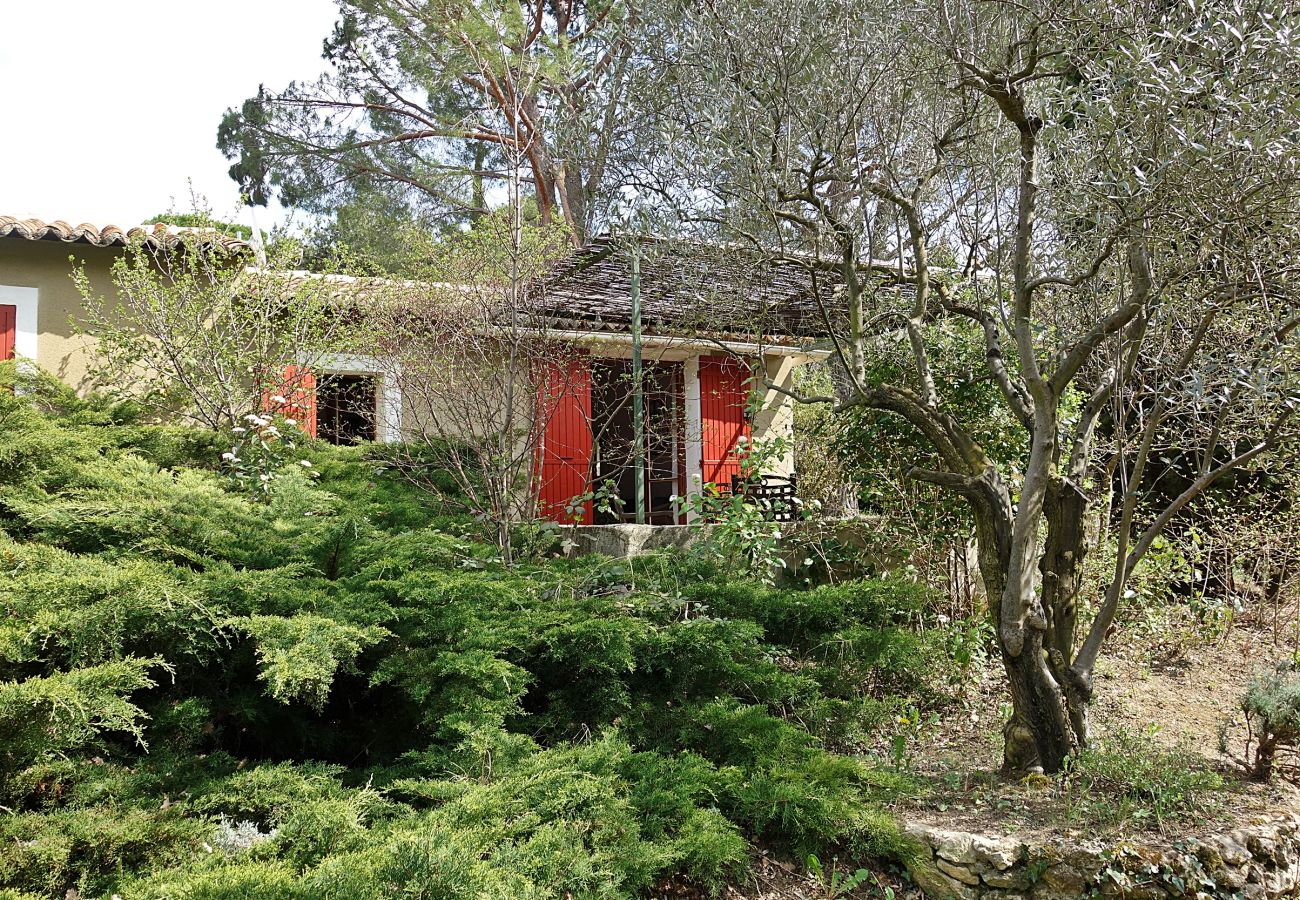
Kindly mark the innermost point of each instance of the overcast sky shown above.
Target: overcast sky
(109, 109)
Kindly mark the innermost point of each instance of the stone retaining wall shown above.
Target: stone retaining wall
(1253, 862)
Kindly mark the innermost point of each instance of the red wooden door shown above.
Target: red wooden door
(724, 400)
(565, 441)
(8, 330)
(293, 396)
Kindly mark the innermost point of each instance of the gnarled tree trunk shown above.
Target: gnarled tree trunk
(1040, 734)
(1033, 591)
(1065, 511)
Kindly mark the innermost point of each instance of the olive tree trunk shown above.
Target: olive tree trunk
(1033, 586)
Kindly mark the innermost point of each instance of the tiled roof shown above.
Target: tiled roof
(701, 288)
(155, 236)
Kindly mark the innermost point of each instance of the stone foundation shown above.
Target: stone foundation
(1252, 862)
(623, 541)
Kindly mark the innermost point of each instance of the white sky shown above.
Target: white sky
(109, 109)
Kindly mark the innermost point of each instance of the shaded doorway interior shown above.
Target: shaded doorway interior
(612, 437)
(346, 408)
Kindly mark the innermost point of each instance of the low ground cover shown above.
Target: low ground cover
(331, 688)
(1169, 759)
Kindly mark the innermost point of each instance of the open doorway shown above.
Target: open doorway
(346, 408)
(613, 438)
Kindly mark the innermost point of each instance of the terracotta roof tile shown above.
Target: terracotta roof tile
(155, 236)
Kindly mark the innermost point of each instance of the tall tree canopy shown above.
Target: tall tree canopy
(431, 104)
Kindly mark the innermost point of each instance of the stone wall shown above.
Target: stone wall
(1256, 861)
(622, 541)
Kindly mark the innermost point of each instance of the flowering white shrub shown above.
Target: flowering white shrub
(260, 450)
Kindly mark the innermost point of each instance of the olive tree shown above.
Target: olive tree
(1103, 194)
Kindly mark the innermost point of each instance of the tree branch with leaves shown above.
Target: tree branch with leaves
(1089, 191)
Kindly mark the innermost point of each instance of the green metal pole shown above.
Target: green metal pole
(638, 395)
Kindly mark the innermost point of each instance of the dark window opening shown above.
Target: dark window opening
(346, 407)
(612, 434)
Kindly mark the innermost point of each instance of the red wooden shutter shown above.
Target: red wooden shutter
(565, 441)
(8, 330)
(298, 388)
(724, 396)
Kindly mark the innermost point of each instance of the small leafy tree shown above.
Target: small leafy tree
(1272, 708)
(747, 529)
(466, 339)
(194, 331)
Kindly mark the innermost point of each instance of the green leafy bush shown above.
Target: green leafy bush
(346, 694)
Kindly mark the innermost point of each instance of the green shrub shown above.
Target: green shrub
(429, 864)
(879, 661)
(299, 655)
(171, 446)
(110, 778)
(76, 611)
(803, 618)
(1272, 707)
(252, 880)
(347, 677)
(781, 785)
(586, 820)
(67, 711)
(268, 794)
(88, 848)
(319, 828)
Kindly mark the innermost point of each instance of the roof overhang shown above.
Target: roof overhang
(155, 237)
(692, 344)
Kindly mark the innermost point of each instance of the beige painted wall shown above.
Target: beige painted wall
(45, 265)
(775, 416)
